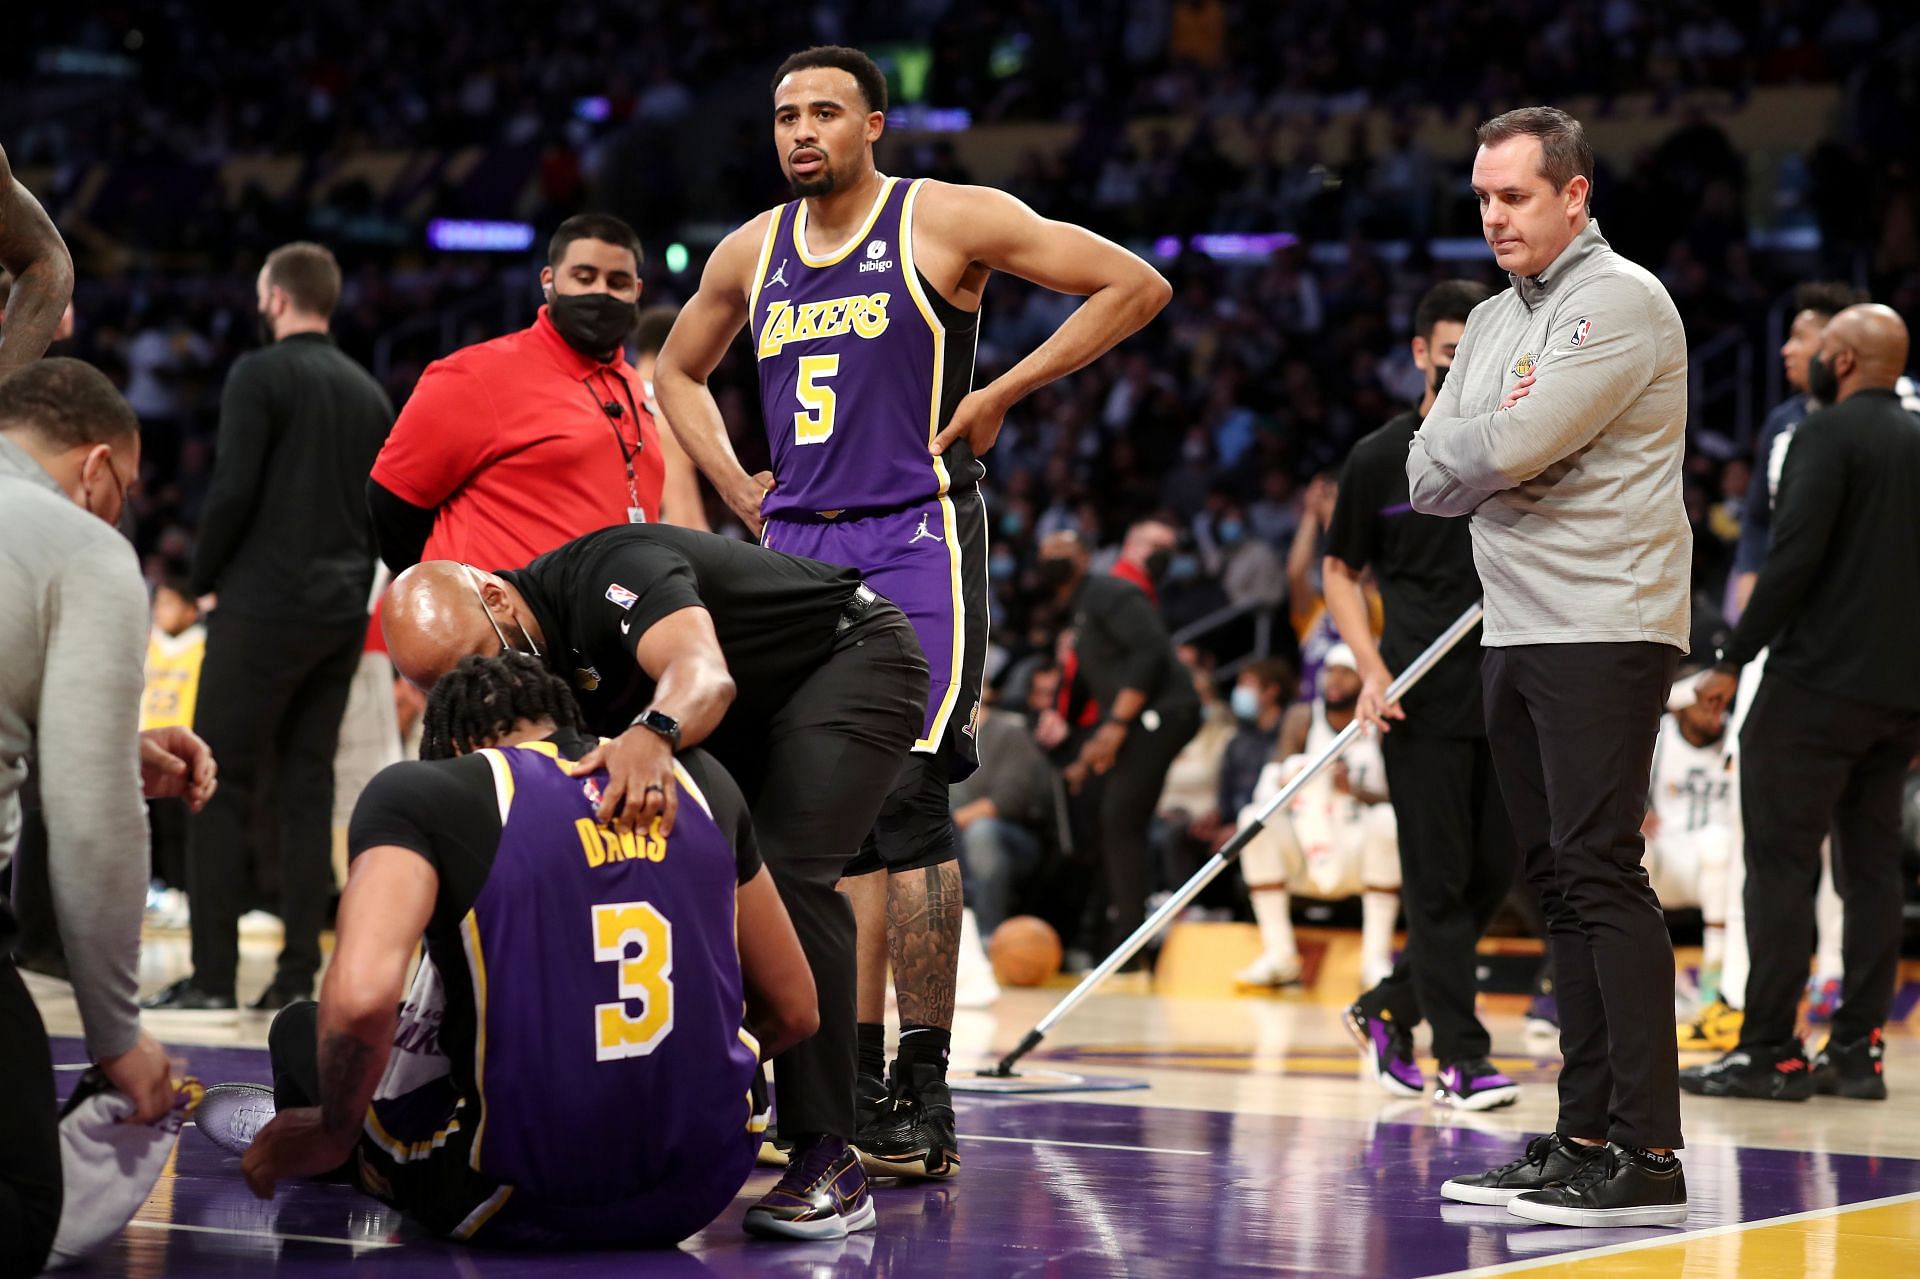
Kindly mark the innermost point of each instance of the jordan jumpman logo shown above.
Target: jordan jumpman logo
(923, 533)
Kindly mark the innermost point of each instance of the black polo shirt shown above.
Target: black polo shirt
(1121, 642)
(775, 615)
(1424, 566)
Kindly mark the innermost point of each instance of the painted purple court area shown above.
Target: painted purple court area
(1050, 1187)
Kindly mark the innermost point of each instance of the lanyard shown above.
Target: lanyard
(636, 514)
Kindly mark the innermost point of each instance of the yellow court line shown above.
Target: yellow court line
(1859, 1238)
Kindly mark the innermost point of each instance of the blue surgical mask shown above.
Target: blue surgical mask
(1012, 525)
(1002, 566)
(1245, 701)
(1183, 568)
(1230, 532)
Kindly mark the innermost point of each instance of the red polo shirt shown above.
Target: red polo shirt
(509, 440)
(1128, 571)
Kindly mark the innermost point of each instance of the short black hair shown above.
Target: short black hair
(1275, 672)
(654, 325)
(1827, 297)
(594, 226)
(482, 698)
(67, 403)
(179, 585)
(865, 72)
(1447, 300)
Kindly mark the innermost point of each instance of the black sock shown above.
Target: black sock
(873, 1049)
(1658, 1163)
(926, 1045)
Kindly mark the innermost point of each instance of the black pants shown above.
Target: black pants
(815, 771)
(1810, 761)
(268, 686)
(30, 1190)
(1572, 728)
(1123, 802)
(1457, 858)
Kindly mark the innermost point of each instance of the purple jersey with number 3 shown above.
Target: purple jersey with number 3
(610, 1058)
(861, 364)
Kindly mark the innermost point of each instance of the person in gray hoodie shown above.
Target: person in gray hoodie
(72, 635)
(1561, 429)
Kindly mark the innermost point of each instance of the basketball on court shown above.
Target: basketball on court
(1025, 951)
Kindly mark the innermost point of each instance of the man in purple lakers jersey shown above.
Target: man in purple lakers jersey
(575, 1061)
(862, 299)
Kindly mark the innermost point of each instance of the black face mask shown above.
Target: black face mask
(1822, 385)
(1157, 562)
(594, 324)
(1055, 571)
(1439, 377)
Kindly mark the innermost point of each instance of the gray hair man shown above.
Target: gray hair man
(1561, 429)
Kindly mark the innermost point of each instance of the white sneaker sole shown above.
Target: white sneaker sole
(1460, 1192)
(223, 1103)
(865, 1217)
(1655, 1215)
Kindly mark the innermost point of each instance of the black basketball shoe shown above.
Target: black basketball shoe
(1779, 1073)
(1617, 1187)
(1857, 1070)
(913, 1135)
(1549, 1159)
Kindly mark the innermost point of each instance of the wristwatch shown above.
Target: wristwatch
(662, 723)
(1720, 663)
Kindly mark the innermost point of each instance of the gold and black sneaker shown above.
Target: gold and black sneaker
(1715, 1028)
(913, 1135)
(823, 1196)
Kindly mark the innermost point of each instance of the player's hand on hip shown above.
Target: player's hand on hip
(1518, 392)
(746, 498)
(1374, 708)
(640, 786)
(977, 419)
(145, 1075)
(176, 764)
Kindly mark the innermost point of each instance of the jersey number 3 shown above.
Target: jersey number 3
(645, 978)
(814, 423)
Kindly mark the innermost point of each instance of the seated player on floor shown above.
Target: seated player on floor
(573, 1066)
(1335, 839)
(1693, 833)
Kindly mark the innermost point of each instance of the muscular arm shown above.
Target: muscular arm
(705, 328)
(42, 270)
(782, 1007)
(998, 232)
(1351, 617)
(691, 681)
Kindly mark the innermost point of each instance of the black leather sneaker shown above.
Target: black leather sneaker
(1779, 1073)
(823, 1196)
(1857, 1070)
(914, 1135)
(1549, 1159)
(185, 997)
(1617, 1187)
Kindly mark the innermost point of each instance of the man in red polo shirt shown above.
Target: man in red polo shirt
(511, 447)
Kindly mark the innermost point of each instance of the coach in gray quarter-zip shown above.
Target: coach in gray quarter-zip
(1561, 430)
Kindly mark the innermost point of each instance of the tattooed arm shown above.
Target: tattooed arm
(42, 274)
(383, 913)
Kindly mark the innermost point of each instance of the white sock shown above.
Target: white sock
(1271, 908)
(1828, 915)
(1379, 911)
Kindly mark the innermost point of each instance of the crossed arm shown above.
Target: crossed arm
(42, 271)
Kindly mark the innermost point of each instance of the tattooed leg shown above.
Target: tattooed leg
(923, 936)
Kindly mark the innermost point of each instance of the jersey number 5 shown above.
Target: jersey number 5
(814, 423)
(645, 978)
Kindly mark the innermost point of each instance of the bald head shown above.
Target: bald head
(1865, 347)
(441, 611)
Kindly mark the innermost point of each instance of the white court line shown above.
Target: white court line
(262, 1234)
(1677, 1237)
(1089, 1145)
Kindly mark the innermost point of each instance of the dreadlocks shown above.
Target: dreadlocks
(481, 699)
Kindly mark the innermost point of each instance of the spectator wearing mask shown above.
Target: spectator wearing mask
(286, 545)
(1145, 554)
(512, 447)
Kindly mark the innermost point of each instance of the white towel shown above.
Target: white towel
(108, 1167)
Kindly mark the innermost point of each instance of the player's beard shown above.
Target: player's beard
(821, 183)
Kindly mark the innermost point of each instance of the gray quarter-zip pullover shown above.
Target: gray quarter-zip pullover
(1579, 529)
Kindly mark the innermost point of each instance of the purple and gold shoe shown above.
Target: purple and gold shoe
(1475, 1085)
(823, 1196)
(1388, 1049)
